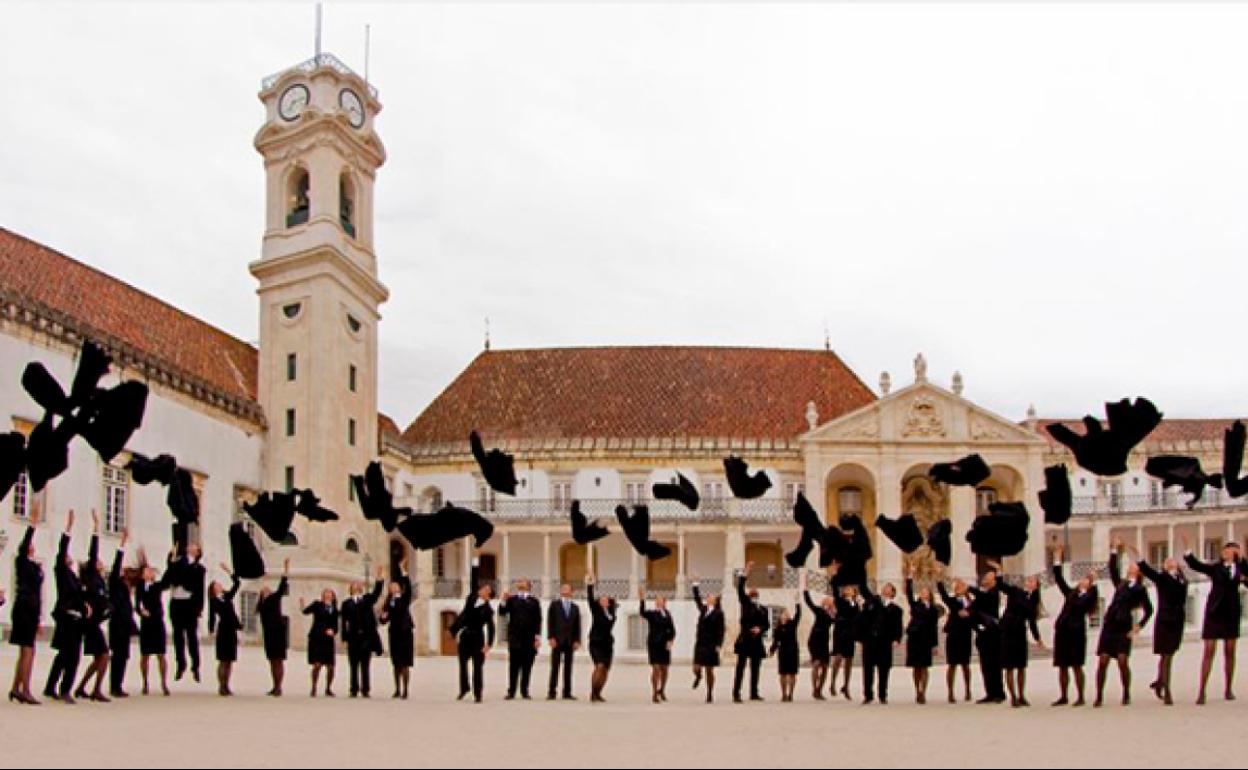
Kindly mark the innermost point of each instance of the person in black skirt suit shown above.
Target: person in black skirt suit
(322, 651)
(1223, 610)
(1022, 611)
(660, 635)
(93, 575)
(26, 612)
(121, 626)
(275, 628)
(223, 620)
(1171, 618)
(153, 636)
(1070, 630)
(396, 614)
(71, 614)
(819, 643)
(880, 632)
(785, 647)
(603, 612)
(959, 634)
(474, 630)
(751, 638)
(1119, 627)
(922, 636)
(845, 638)
(708, 640)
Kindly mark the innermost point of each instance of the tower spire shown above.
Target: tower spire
(487, 332)
(318, 30)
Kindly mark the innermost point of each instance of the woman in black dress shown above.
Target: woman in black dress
(122, 628)
(93, 576)
(604, 611)
(788, 652)
(660, 635)
(1070, 630)
(844, 638)
(1119, 627)
(707, 641)
(922, 636)
(1223, 611)
(1171, 618)
(27, 609)
(322, 651)
(275, 629)
(959, 634)
(396, 613)
(70, 614)
(153, 636)
(1022, 610)
(819, 643)
(223, 620)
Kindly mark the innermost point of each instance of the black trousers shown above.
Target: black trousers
(520, 668)
(473, 654)
(756, 665)
(65, 665)
(561, 658)
(360, 656)
(877, 664)
(119, 657)
(988, 643)
(185, 620)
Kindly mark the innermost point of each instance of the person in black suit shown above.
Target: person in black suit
(323, 637)
(986, 613)
(1119, 627)
(153, 637)
(223, 620)
(71, 612)
(785, 647)
(1223, 611)
(603, 611)
(475, 631)
(922, 636)
(359, 631)
(708, 640)
(880, 632)
(396, 614)
(524, 637)
(751, 645)
(845, 638)
(275, 629)
(26, 612)
(1022, 611)
(660, 635)
(563, 632)
(959, 634)
(1070, 630)
(93, 575)
(187, 577)
(1170, 621)
(121, 626)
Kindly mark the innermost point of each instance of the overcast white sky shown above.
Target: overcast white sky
(1049, 197)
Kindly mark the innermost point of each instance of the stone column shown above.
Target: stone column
(466, 567)
(1230, 530)
(426, 620)
(682, 565)
(962, 514)
(546, 584)
(504, 575)
(1169, 543)
(1100, 541)
(887, 502)
(1199, 547)
(1139, 542)
(734, 560)
(634, 573)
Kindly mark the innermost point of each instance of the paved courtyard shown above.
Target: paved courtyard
(195, 728)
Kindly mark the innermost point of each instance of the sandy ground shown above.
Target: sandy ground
(195, 728)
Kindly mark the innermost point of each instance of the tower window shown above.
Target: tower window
(346, 204)
(299, 201)
(351, 431)
(290, 422)
(350, 489)
(291, 311)
(353, 323)
(290, 478)
(292, 365)
(351, 374)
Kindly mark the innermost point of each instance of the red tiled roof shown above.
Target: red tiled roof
(1169, 431)
(108, 308)
(640, 392)
(386, 426)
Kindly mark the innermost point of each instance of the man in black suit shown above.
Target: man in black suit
(524, 636)
(751, 639)
(986, 611)
(359, 631)
(563, 631)
(881, 631)
(186, 607)
(474, 629)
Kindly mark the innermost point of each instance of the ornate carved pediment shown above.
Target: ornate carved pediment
(925, 418)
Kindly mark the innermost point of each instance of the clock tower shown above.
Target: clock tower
(319, 298)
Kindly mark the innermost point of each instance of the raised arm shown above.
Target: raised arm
(378, 587)
(1147, 571)
(1059, 578)
(1197, 565)
(910, 591)
(697, 599)
(810, 602)
(1115, 574)
(27, 539)
(742, 596)
(945, 597)
(235, 583)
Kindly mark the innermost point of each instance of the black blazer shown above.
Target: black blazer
(325, 617)
(28, 579)
(602, 627)
(924, 625)
(397, 611)
(269, 610)
(149, 599)
(221, 612)
(986, 606)
(71, 599)
(1223, 605)
(359, 620)
(1021, 609)
(880, 625)
(95, 585)
(954, 622)
(1127, 597)
(524, 621)
(475, 623)
(753, 615)
(661, 627)
(121, 621)
(191, 577)
(1171, 595)
(565, 629)
(1077, 608)
(712, 627)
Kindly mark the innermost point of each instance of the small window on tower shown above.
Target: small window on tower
(351, 431)
(292, 366)
(290, 478)
(291, 311)
(290, 422)
(299, 201)
(354, 323)
(346, 204)
(351, 377)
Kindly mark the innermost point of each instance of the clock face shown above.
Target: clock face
(293, 100)
(350, 103)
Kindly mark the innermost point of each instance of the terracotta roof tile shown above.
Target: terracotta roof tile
(640, 393)
(107, 307)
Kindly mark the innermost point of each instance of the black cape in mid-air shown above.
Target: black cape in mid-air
(1056, 498)
(679, 489)
(743, 485)
(1103, 450)
(246, 558)
(498, 467)
(1001, 532)
(426, 531)
(637, 530)
(1185, 473)
(903, 532)
(970, 471)
(584, 531)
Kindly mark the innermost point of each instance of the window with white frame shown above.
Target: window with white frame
(487, 499)
(23, 496)
(1113, 493)
(849, 501)
(635, 492)
(713, 495)
(116, 499)
(1158, 552)
(985, 497)
(792, 489)
(560, 494)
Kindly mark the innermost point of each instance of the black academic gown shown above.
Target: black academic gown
(1119, 618)
(1022, 610)
(274, 626)
(27, 595)
(959, 627)
(1223, 608)
(923, 630)
(1171, 616)
(601, 629)
(1070, 630)
(223, 620)
(819, 643)
(660, 633)
(323, 633)
(396, 613)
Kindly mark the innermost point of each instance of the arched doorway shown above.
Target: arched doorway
(929, 503)
(851, 490)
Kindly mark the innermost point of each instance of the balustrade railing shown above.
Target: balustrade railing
(537, 510)
(1168, 500)
(320, 60)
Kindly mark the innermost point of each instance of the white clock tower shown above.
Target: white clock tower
(319, 299)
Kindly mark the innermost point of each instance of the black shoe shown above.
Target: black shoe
(525, 696)
(551, 696)
(195, 675)
(463, 694)
(883, 700)
(987, 700)
(179, 673)
(867, 701)
(756, 698)
(737, 699)
(570, 696)
(509, 696)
